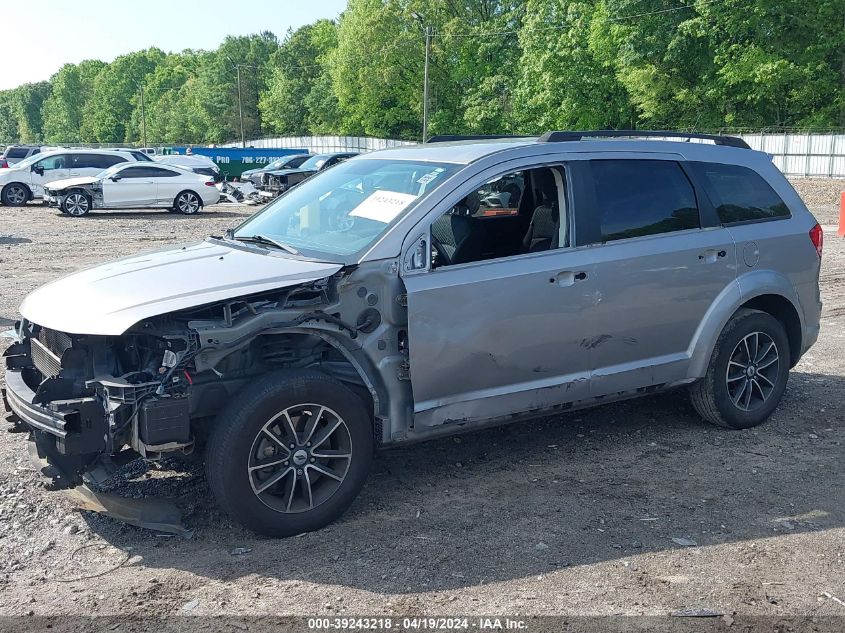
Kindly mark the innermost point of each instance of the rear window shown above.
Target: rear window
(17, 152)
(642, 197)
(740, 194)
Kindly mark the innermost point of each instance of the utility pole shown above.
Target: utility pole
(143, 118)
(428, 35)
(240, 107)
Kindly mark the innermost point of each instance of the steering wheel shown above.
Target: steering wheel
(442, 258)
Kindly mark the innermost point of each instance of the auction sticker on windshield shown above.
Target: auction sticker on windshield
(383, 206)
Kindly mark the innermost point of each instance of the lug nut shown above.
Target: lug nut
(313, 460)
(286, 464)
(293, 445)
(308, 444)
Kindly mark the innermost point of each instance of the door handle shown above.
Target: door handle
(568, 277)
(711, 255)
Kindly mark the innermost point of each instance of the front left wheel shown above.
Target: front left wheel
(76, 204)
(14, 195)
(290, 453)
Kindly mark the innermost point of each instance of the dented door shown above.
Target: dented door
(492, 338)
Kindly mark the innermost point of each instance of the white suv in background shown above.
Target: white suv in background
(25, 181)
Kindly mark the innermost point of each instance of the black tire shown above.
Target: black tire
(241, 433)
(719, 396)
(187, 203)
(76, 204)
(15, 194)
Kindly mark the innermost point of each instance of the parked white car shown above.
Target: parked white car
(202, 165)
(134, 186)
(25, 180)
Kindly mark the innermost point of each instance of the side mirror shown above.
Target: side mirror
(38, 169)
(417, 257)
(115, 178)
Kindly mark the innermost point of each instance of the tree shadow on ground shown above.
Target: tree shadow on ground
(534, 497)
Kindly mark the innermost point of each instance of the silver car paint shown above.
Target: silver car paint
(109, 299)
(491, 339)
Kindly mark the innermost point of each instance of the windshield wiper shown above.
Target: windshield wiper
(263, 239)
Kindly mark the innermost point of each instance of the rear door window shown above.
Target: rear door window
(642, 197)
(740, 194)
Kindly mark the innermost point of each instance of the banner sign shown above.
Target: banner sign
(233, 161)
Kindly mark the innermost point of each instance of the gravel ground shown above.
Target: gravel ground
(632, 508)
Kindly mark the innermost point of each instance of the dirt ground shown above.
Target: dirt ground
(632, 508)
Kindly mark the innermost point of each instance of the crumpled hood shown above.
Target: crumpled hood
(110, 298)
(71, 182)
(288, 172)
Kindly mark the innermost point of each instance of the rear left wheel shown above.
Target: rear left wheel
(290, 453)
(747, 374)
(187, 203)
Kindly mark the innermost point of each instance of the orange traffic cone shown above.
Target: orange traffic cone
(841, 231)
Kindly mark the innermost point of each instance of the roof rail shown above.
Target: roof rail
(450, 138)
(554, 137)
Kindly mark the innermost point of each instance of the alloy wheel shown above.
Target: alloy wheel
(188, 203)
(300, 458)
(16, 194)
(752, 372)
(76, 204)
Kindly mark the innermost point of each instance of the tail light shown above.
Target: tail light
(817, 238)
(209, 183)
(4, 164)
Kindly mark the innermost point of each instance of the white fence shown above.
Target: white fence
(807, 154)
(320, 144)
(803, 154)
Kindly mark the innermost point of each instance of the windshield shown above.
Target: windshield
(343, 210)
(26, 162)
(315, 162)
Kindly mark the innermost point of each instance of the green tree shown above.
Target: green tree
(299, 99)
(107, 114)
(63, 109)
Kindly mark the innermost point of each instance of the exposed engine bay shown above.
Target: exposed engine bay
(155, 389)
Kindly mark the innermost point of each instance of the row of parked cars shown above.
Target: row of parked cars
(77, 180)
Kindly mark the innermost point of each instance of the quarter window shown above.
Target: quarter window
(642, 197)
(740, 194)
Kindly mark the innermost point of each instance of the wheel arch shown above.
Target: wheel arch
(354, 368)
(30, 195)
(199, 197)
(764, 290)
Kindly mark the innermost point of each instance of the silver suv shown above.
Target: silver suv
(423, 291)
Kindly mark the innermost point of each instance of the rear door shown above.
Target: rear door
(661, 259)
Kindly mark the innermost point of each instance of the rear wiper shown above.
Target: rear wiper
(263, 239)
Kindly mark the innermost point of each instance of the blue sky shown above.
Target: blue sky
(46, 34)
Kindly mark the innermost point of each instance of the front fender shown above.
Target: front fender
(743, 289)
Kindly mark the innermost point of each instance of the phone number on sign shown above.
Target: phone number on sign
(403, 624)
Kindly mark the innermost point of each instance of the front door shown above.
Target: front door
(48, 170)
(493, 337)
(134, 188)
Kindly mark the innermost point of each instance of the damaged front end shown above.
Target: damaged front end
(95, 402)
(55, 197)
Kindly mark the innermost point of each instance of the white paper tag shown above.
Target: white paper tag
(383, 206)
